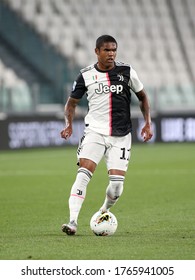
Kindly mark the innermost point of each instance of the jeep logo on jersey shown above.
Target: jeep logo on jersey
(106, 89)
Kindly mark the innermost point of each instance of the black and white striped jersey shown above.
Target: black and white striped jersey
(109, 97)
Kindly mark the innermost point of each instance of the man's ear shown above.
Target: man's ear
(97, 51)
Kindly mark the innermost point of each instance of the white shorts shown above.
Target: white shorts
(115, 150)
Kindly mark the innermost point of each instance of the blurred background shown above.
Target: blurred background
(44, 43)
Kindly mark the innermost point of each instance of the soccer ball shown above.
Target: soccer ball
(103, 224)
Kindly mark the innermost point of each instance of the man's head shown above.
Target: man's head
(104, 39)
(106, 48)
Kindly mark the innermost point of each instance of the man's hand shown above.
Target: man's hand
(146, 132)
(66, 132)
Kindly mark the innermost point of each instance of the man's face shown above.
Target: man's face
(106, 55)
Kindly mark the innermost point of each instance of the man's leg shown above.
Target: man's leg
(78, 193)
(90, 152)
(117, 159)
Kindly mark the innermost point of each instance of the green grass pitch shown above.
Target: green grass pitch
(156, 213)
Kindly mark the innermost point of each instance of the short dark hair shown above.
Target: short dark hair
(105, 39)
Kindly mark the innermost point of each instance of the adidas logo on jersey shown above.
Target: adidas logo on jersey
(107, 89)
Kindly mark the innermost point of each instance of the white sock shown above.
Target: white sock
(113, 191)
(78, 192)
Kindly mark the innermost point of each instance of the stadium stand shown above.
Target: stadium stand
(15, 94)
(156, 36)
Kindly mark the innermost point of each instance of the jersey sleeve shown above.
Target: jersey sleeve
(78, 88)
(135, 83)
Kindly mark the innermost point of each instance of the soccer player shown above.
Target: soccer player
(107, 133)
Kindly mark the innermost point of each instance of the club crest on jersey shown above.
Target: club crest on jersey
(107, 89)
(121, 78)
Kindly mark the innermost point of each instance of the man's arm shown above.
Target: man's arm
(146, 132)
(69, 112)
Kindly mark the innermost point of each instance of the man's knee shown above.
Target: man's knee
(88, 164)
